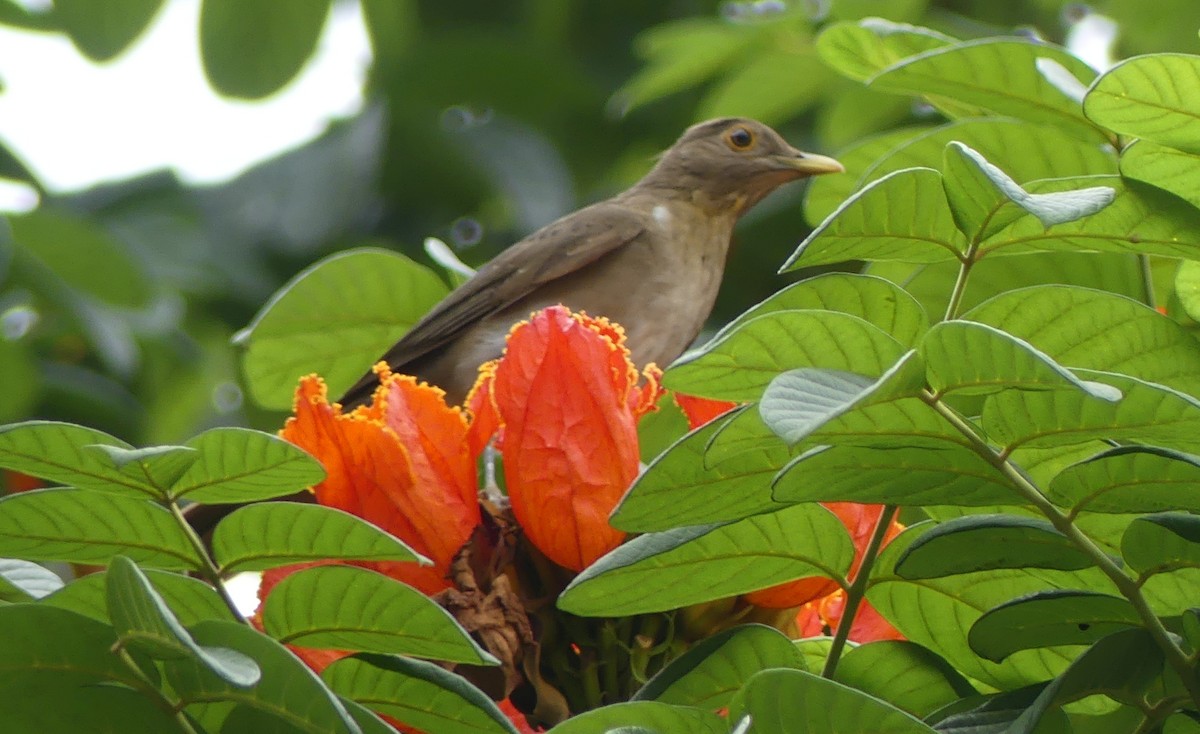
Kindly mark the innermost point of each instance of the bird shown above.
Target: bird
(650, 258)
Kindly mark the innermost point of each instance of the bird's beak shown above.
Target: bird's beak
(810, 164)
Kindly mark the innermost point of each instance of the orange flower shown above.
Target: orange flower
(566, 397)
(860, 520)
(701, 410)
(822, 616)
(402, 463)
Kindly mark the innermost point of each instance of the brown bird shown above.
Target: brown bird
(651, 258)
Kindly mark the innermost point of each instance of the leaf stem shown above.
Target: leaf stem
(151, 691)
(1147, 279)
(1153, 716)
(1125, 584)
(960, 283)
(858, 590)
(208, 568)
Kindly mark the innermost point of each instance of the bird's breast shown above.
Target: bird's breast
(661, 287)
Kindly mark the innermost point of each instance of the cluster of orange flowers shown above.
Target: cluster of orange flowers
(562, 408)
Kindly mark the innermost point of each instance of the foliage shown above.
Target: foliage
(1005, 352)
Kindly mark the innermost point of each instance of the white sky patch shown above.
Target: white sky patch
(76, 124)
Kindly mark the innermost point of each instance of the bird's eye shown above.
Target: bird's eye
(739, 138)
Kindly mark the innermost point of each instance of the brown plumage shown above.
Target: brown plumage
(651, 258)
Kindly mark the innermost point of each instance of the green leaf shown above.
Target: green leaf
(901, 216)
(975, 359)
(144, 622)
(904, 674)
(1082, 327)
(976, 193)
(1187, 288)
(814, 651)
(83, 256)
(262, 536)
(158, 467)
(976, 182)
(65, 453)
(1153, 97)
(678, 488)
(635, 717)
(24, 581)
(863, 48)
(1026, 152)
(1049, 618)
(785, 701)
(997, 711)
(986, 542)
(367, 720)
(903, 475)
(739, 364)
(416, 693)
(741, 438)
(800, 402)
(1140, 220)
(874, 300)
(1167, 168)
(39, 639)
(250, 50)
(675, 568)
(240, 465)
(709, 674)
(58, 674)
(44, 704)
(1161, 543)
(1150, 413)
(311, 325)
(993, 276)
(75, 525)
(880, 424)
(289, 689)
(1129, 479)
(103, 32)
(1120, 666)
(349, 608)
(997, 74)
(189, 599)
(936, 613)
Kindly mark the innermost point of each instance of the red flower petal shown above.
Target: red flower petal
(701, 410)
(566, 393)
(402, 463)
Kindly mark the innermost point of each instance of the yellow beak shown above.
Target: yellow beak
(811, 164)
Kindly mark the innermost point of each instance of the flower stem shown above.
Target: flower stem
(1128, 586)
(858, 590)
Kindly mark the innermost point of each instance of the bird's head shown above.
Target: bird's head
(734, 161)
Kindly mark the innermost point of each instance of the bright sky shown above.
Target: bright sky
(75, 124)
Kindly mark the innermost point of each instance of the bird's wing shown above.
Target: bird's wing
(558, 249)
